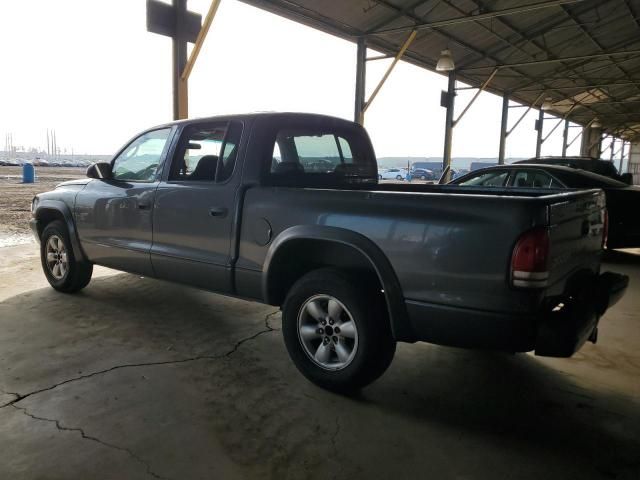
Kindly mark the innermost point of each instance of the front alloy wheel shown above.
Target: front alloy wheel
(57, 259)
(63, 271)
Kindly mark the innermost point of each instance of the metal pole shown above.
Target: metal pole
(539, 125)
(202, 34)
(565, 138)
(448, 125)
(397, 58)
(613, 146)
(622, 156)
(361, 78)
(179, 50)
(503, 127)
(478, 92)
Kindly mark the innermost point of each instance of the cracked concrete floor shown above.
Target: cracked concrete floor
(135, 378)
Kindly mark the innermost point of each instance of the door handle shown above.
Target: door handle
(218, 211)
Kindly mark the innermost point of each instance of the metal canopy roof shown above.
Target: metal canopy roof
(582, 54)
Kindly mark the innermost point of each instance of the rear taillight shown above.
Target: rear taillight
(529, 263)
(605, 228)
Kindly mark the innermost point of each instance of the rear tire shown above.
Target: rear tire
(63, 271)
(339, 360)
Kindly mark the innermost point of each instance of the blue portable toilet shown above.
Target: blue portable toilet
(28, 173)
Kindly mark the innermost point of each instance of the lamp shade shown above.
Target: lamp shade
(445, 62)
(547, 104)
(596, 123)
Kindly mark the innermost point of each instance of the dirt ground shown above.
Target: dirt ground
(15, 198)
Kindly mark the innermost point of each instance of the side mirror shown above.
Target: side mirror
(100, 170)
(627, 178)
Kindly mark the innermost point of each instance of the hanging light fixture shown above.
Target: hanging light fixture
(547, 104)
(445, 62)
(596, 123)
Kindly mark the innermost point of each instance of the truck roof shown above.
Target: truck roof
(277, 116)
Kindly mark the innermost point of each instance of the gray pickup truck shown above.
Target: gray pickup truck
(286, 209)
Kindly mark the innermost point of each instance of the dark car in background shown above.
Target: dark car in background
(595, 165)
(422, 174)
(623, 200)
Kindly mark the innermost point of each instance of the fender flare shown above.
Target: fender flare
(62, 208)
(396, 307)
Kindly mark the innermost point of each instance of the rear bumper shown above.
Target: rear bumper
(558, 329)
(573, 320)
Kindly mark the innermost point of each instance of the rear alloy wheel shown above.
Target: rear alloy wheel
(327, 332)
(60, 266)
(398, 177)
(336, 331)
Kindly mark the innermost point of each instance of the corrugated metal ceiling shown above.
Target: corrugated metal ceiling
(555, 30)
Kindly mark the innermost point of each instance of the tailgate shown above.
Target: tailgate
(576, 235)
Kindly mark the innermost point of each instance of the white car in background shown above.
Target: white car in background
(392, 174)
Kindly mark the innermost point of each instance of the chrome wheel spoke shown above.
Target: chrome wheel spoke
(63, 269)
(334, 309)
(56, 270)
(309, 332)
(315, 310)
(323, 353)
(51, 257)
(348, 329)
(342, 351)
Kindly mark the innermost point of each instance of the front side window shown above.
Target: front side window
(310, 155)
(207, 152)
(487, 179)
(141, 159)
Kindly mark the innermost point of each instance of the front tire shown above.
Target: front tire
(398, 177)
(63, 271)
(336, 331)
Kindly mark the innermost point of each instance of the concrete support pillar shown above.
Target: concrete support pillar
(503, 128)
(448, 124)
(591, 142)
(361, 77)
(539, 126)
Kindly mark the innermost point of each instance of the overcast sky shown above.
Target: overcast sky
(90, 70)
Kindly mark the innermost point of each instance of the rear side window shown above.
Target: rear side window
(534, 179)
(207, 152)
(487, 179)
(306, 155)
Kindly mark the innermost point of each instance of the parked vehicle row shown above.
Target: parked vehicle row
(238, 205)
(18, 162)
